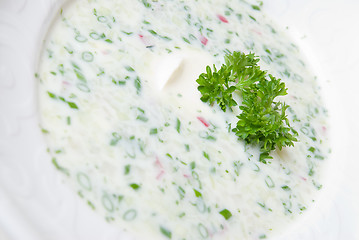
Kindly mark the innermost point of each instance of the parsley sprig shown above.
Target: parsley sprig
(262, 121)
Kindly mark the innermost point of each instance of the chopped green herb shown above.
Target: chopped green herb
(317, 185)
(68, 120)
(142, 118)
(182, 215)
(181, 192)
(51, 95)
(127, 169)
(50, 53)
(178, 125)
(261, 204)
(251, 17)
(69, 50)
(237, 165)
(137, 84)
(61, 69)
(91, 204)
(197, 193)
(186, 40)
(301, 207)
(127, 33)
(79, 75)
(286, 188)
(72, 105)
(43, 130)
(116, 139)
(141, 110)
(154, 33)
(211, 138)
(311, 149)
(120, 198)
(134, 186)
(166, 38)
(80, 194)
(58, 167)
(153, 131)
(166, 232)
(226, 214)
(255, 7)
(83, 87)
(205, 154)
(191, 36)
(129, 68)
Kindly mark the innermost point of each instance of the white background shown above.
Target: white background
(34, 202)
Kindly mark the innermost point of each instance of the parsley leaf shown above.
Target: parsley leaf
(262, 121)
(215, 87)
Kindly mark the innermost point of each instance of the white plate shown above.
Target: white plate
(35, 204)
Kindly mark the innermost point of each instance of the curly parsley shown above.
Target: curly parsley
(262, 121)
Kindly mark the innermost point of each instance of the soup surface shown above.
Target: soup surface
(124, 122)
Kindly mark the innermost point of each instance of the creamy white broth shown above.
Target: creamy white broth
(124, 122)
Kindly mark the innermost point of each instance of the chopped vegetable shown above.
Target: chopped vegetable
(226, 214)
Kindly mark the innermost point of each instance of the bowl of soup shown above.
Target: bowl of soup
(106, 133)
